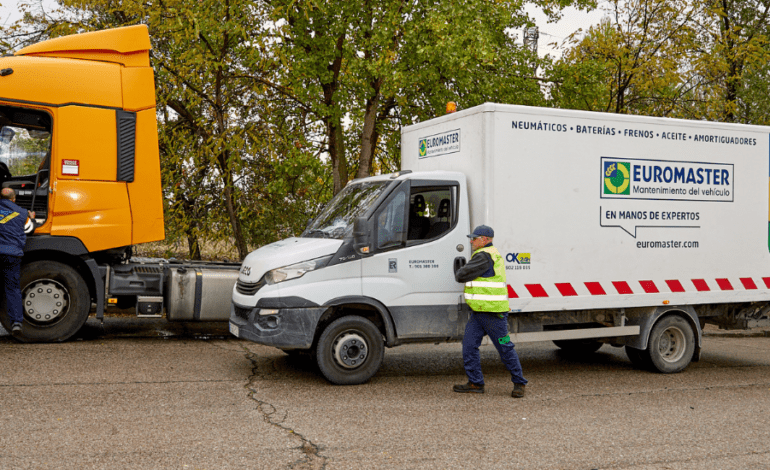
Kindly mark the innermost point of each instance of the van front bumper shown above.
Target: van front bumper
(285, 328)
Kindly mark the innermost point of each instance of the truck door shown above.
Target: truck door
(25, 154)
(416, 237)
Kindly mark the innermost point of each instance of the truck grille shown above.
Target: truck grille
(249, 288)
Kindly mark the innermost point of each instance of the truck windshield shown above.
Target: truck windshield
(336, 219)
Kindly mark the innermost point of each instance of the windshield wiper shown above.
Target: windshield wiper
(317, 231)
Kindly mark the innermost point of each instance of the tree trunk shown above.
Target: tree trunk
(369, 135)
(193, 245)
(333, 121)
(337, 153)
(231, 204)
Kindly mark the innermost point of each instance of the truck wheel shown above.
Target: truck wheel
(350, 351)
(578, 346)
(671, 344)
(56, 301)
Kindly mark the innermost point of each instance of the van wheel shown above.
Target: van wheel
(56, 302)
(671, 344)
(350, 351)
(578, 346)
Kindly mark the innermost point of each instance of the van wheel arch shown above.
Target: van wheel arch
(672, 342)
(647, 317)
(365, 307)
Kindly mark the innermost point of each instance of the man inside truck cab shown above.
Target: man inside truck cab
(12, 240)
(486, 293)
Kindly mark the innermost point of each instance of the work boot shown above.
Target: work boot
(518, 390)
(16, 329)
(470, 387)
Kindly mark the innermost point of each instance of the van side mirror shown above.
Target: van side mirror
(361, 238)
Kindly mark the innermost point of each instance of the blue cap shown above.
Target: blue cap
(482, 231)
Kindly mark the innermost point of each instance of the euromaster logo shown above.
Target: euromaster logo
(617, 178)
(439, 144)
(423, 147)
(635, 178)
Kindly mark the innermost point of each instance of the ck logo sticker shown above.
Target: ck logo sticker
(392, 265)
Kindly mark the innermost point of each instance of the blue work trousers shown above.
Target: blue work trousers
(10, 275)
(489, 324)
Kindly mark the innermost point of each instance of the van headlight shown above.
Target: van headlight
(296, 270)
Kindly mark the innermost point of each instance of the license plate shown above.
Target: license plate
(234, 329)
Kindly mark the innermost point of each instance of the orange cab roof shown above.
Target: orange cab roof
(129, 46)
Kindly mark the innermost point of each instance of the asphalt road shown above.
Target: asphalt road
(152, 394)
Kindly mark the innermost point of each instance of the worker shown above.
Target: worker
(12, 240)
(486, 293)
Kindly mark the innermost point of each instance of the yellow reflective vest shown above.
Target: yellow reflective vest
(489, 294)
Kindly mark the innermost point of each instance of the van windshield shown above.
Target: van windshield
(336, 219)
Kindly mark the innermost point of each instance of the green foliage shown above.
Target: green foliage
(359, 71)
(696, 59)
(632, 62)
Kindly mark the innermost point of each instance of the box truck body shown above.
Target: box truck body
(596, 210)
(627, 230)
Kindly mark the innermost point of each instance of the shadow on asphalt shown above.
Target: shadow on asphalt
(132, 327)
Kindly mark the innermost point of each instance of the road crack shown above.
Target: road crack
(312, 458)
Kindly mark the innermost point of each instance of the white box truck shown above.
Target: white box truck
(626, 230)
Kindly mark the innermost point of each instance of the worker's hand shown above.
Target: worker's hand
(30, 226)
(459, 263)
(31, 214)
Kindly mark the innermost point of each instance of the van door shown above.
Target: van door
(416, 240)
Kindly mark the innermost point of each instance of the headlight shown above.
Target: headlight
(295, 270)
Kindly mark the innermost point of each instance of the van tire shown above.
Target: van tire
(346, 334)
(61, 293)
(671, 345)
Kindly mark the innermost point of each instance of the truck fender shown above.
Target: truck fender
(97, 281)
(70, 245)
(646, 319)
(387, 319)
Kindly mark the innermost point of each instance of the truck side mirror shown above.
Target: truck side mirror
(361, 235)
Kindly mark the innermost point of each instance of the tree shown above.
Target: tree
(358, 70)
(697, 59)
(633, 62)
(732, 58)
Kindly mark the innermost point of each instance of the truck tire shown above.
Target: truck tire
(671, 345)
(56, 302)
(350, 351)
(578, 346)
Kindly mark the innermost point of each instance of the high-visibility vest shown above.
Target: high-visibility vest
(489, 294)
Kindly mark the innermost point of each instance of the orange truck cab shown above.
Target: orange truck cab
(79, 145)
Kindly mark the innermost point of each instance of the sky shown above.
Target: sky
(571, 21)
